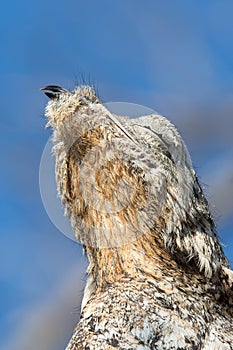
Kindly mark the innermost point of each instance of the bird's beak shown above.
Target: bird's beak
(53, 91)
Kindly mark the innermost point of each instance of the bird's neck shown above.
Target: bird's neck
(139, 260)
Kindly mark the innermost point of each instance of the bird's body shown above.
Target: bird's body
(158, 278)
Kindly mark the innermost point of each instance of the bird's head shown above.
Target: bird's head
(123, 181)
(64, 103)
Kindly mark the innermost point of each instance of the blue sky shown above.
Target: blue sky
(175, 57)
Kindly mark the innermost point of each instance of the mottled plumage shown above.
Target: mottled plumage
(158, 277)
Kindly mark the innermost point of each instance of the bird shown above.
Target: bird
(158, 277)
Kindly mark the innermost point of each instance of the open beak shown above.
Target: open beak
(53, 91)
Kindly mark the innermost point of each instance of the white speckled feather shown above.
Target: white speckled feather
(158, 277)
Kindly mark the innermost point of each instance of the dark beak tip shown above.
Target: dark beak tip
(53, 88)
(51, 95)
(53, 91)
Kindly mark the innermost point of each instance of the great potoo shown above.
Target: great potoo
(158, 277)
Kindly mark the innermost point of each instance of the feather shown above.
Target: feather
(158, 277)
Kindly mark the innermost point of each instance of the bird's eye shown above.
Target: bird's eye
(85, 100)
